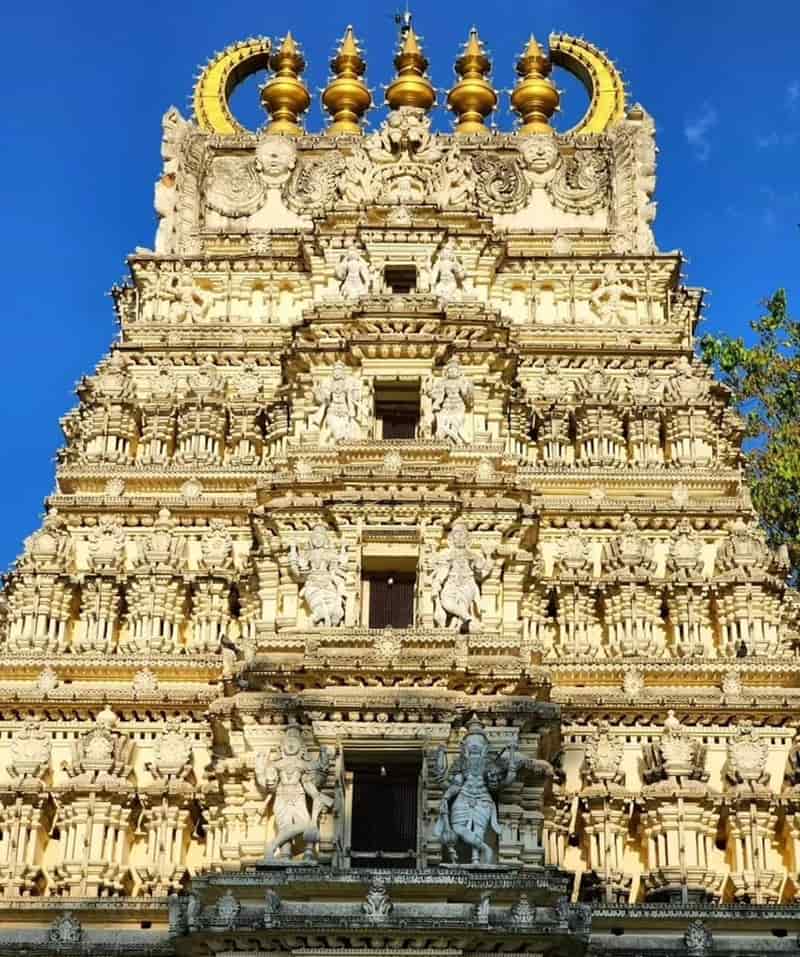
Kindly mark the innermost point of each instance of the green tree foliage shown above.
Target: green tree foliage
(765, 381)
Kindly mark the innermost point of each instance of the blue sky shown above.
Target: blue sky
(88, 82)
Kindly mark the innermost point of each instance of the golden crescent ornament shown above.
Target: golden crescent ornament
(600, 78)
(219, 79)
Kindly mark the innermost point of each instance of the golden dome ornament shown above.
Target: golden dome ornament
(347, 97)
(285, 96)
(410, 87)
(473, 98)
(535, 97)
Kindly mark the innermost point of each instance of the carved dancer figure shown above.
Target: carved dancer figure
(457, 574)
(354, 273)
(292, 777)
(447, 274)
(340, 404)
(607, 300)
(450, 398)
(321, 567)
(468, 810)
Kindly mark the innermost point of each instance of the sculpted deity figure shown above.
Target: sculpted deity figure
(457, 574)
(341, 405)
(354, 273)
(450, 398)
(187, 302)
(608, 299)
(447, 274)
(541, 158)
(321, 567)
(292, 777)
(276, 157)
(468, 810)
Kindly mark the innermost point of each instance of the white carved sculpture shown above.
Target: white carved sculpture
(457, 575)
(603, 756)
(748, 751)
(341, 405)
(447, 274)
(468, 810)
(30, 753)
(608, 299)
(166, 189)
(103, 755)
(450, 397)
(354, 273)
(320, 567)
(294, 778)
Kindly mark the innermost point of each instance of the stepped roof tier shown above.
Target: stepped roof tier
(400, 590)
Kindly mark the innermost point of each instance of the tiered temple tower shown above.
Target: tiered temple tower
(400, 591)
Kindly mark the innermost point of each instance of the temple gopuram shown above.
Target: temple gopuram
(400, 592)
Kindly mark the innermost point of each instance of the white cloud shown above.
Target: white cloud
(697, 131)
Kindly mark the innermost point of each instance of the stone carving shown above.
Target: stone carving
(522, 914)
(341, 405)
(450, 397)
(697, 939)
(106, 545)
(30, 753)
(321, 568)
(173, 753)
(187, 300)
(216, 548)
(228, 910)
(747, 758)
(633, 684)
(602, 763)
(468, 811)
(578, 184)
(175, 128)
(457, 576)
(354, 273)
(65, 933)
(238, 187)
(145, 684)
(272, 908)
(103, 755)
(447, 274)
(608, 300)
(378, 905)
(677, 757)
(630, 552)
(500, 184)
(293, 778)
(685, 560)
(47, 681)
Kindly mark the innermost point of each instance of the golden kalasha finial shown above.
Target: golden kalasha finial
(473, 98)
(346, 97)
(535, 97)
(410, 87)
(285, 96)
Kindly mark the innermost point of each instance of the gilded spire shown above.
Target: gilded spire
(346, 97)
(473, 98)
(535, 97)
(285, 96)
(410, 87)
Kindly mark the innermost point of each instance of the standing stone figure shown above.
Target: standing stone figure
(321, 567)
(340, 404)
(457, 574)
(450, 398)
(293, 778)
(354, 274)
(468, 810)
(447, 274)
